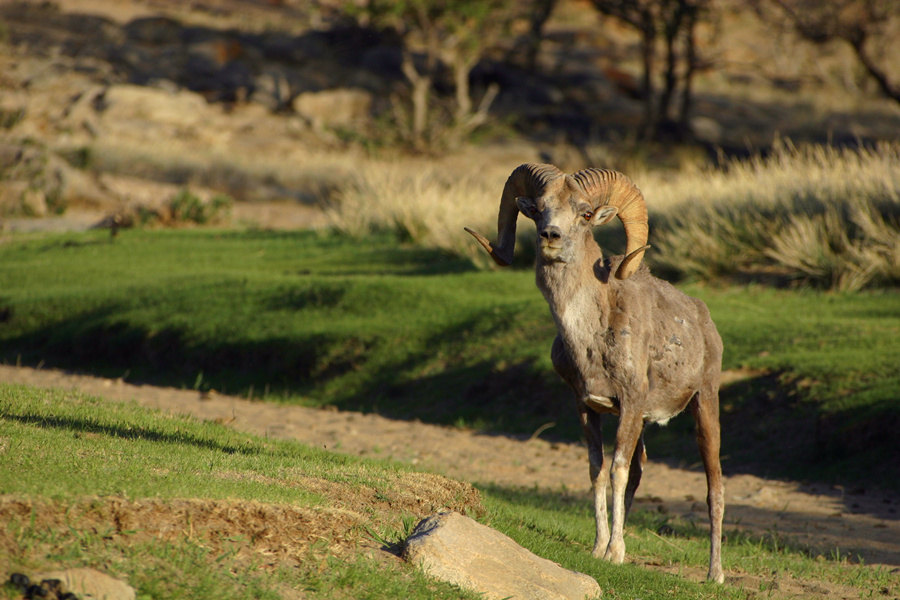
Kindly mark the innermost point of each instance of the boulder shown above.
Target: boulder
(157, 117)
(334, 108)
(90, 584)
(180, 109)
(454, 548)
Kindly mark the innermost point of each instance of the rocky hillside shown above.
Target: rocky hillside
(111, 104)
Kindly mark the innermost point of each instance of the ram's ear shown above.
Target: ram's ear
(603, 215)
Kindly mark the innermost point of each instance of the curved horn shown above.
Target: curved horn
(615, 189)
(528, 179)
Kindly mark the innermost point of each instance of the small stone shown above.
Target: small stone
(35, 591)
(53, 586)
(20, 580)
(90, 583)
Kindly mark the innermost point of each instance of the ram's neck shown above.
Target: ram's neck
(576, 292)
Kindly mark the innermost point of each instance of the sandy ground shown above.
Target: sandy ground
(823, 518)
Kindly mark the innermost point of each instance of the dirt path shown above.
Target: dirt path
(823, 518)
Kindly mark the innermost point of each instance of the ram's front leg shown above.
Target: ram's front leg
(599, 471)
(630, 426)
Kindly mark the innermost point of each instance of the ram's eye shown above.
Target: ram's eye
(587, 215)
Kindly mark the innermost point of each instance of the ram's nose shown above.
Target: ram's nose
(551, 233)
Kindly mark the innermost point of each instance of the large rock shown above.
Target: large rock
(179, 109)
(91, 584)
(454, 548)
(160, 118)
(334, 108)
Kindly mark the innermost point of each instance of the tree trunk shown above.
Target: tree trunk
(690, 58)
(421, 90)
(467, 117)
(542, 11)
(461, 69)
(670, 77)
(648, 41)
(892, 92)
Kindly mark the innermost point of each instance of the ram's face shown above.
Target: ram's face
(563, 220)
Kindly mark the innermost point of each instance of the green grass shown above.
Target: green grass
(373, 325)
(317, 316)
(86, 468)
(561, 528)
(830, 378)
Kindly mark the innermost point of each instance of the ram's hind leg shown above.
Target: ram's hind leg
(599, 471)
(705, 408)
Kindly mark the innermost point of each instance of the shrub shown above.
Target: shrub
(187, 207)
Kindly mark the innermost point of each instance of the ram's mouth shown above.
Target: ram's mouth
(551, 252)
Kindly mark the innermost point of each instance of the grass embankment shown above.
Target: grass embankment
(375, 326)
(184, 509)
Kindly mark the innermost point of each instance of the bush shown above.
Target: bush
(187, 207)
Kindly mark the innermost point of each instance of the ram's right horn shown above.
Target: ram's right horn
(529, 180)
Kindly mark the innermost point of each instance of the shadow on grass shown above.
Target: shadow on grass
(334, 368)
(164, 357)
(769, 428)
(128, 432)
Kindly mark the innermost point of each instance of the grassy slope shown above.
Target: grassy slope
(76, 460)
(372, 325)
(69, 454)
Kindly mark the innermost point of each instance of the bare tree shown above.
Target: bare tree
(437, 34)
(862, 24)
(538, 17)
(673, 23)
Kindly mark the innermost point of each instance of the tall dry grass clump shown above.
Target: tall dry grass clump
(421, 202)
(819, 215)
(825, 216)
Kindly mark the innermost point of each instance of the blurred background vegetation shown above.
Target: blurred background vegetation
(763, 133)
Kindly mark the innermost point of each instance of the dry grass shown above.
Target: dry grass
(815, 214)
(422, 202)
(818, 214)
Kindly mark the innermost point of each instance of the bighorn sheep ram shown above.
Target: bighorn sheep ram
(628, 344)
